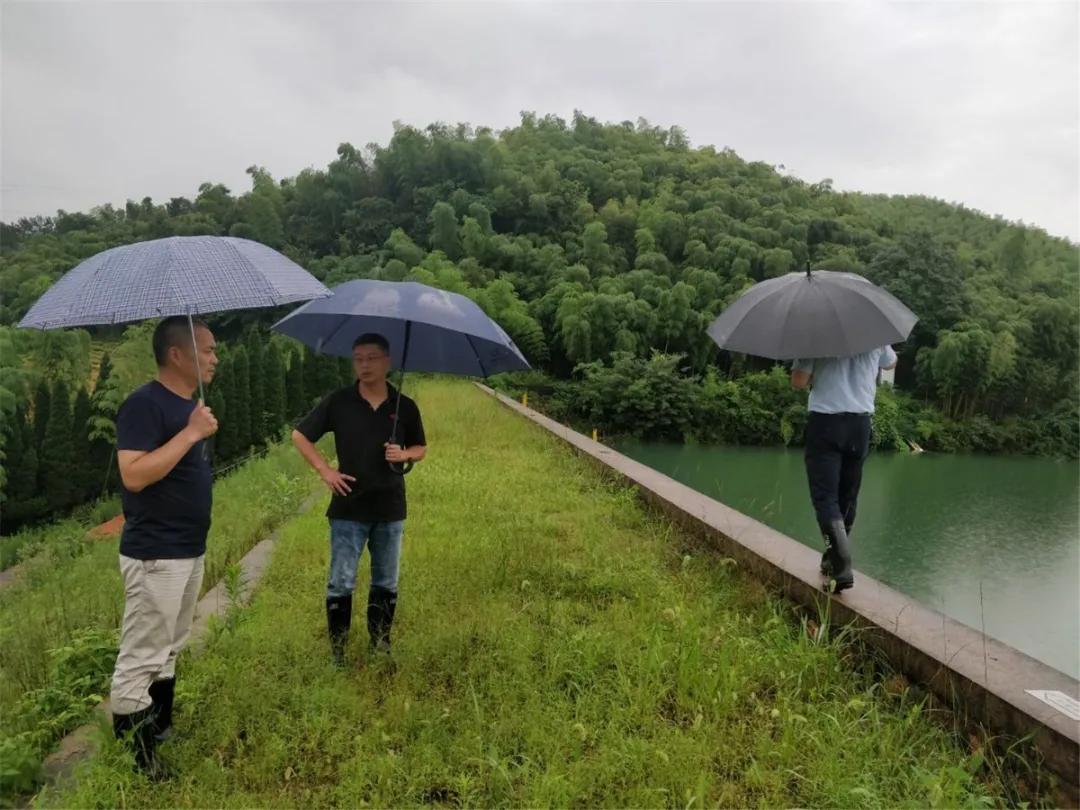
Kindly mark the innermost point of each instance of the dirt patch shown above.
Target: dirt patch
(110, 528)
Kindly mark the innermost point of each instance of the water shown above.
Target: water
(936, 527)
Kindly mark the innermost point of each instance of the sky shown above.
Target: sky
(975, 103)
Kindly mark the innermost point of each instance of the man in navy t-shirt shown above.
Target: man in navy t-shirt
(161, 434)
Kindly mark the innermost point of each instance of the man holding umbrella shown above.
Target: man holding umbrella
(379, 435)
(161, 433)
(841, 405)
(160, 436)
(375, 429)
(847, 324)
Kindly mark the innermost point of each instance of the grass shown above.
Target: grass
(27, 542)
(58, 622)
(556, 645)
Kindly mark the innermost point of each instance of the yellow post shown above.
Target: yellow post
(525, 399)
(594, 435)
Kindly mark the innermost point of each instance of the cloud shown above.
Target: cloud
(975, 103)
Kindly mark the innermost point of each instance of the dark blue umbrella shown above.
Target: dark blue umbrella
(428, 329)
(180, 275)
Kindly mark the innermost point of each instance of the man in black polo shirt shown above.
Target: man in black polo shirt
(160, 437)
(367, 503)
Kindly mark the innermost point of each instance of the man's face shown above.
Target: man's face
(184, 357)
(371, 363)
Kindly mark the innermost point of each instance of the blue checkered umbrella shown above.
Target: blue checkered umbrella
(180, 275)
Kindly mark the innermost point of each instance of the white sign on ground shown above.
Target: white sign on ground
(1068, 706)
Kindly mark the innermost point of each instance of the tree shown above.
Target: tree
(215, 400)
(57, 452)
(274, 391)
(313, 379)
(778, 262)
(294, 387)
(925, 276)
(264, 221)
(223, 392)
(257, 380)
(595, 249)
(474, 240)
(42, 408)
(264, 208)
(101, 429)
(215, 201)
(239, 407)
(482, 216)
(404, 249)
(23, 500)
(84, 476)
(444, 231)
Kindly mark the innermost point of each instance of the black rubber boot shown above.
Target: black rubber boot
(162, 693)
(338, 622)
(139, 731)
(841, 577)
(380, 616)
(826, 562)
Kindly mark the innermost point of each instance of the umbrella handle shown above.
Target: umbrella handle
(402, 469)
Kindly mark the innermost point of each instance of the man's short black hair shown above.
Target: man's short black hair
(173, 331)
(372, 339)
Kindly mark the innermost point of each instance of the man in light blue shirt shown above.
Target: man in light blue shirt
(837, 442)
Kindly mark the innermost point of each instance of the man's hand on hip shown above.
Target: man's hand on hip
(337, 481)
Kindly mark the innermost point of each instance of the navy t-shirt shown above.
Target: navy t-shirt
(168, 520)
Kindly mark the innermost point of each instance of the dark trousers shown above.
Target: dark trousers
(836, 447)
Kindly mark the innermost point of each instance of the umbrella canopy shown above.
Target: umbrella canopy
(428, 329)
(812, 314)
(180, 275)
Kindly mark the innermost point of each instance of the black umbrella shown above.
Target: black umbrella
(818, 313)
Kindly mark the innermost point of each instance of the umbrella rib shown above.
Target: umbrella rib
(334, 331)
(839, 319)
(483, 370)
(787, 321)
(172, 283)
(746, 315)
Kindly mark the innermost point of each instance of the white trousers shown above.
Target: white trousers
(159, 604)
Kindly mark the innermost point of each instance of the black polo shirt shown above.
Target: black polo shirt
(360, 433)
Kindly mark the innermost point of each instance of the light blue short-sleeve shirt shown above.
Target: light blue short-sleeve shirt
(845, 384)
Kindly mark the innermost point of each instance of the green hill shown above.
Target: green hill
(598, 245)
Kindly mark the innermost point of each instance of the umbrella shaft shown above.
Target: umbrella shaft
(198, 374)
(401, 383)
(195, 354)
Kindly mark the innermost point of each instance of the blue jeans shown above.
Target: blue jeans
(347, 539)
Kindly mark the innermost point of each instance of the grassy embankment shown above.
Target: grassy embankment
(59, 620)
(555, 645)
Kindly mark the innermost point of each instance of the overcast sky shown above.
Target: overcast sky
(974, 103)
